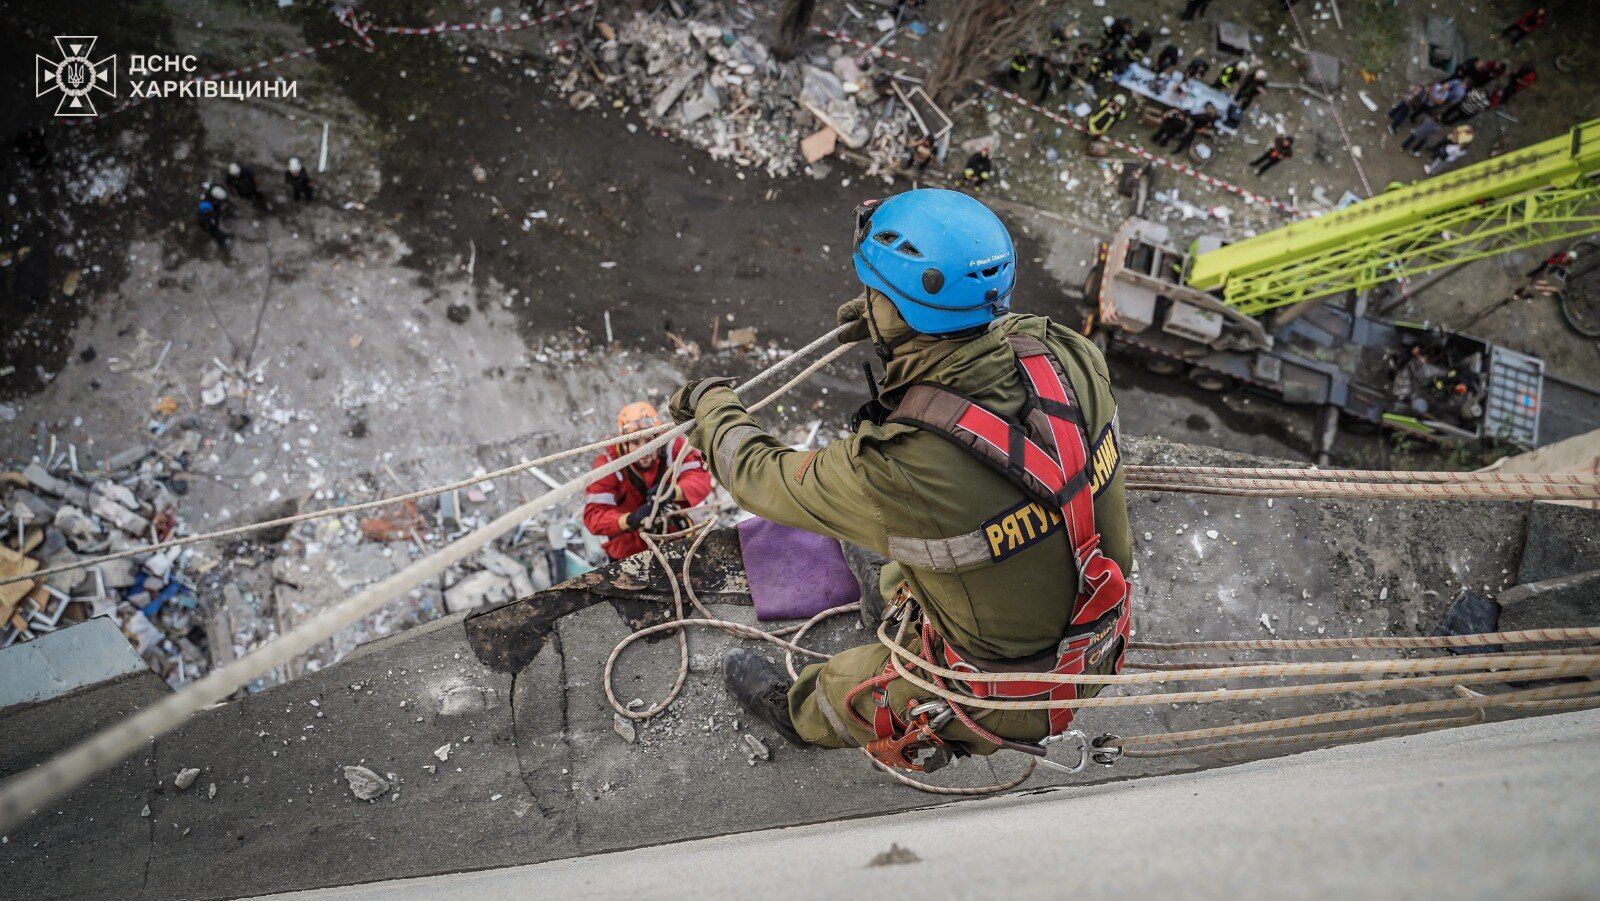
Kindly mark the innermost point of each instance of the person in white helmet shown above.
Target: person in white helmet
(300, 186)
(219, 200)
(242, 182)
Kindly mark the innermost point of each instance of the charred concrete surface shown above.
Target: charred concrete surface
(499, 747)
(1284, 824)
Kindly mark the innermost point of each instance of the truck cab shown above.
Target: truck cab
(1364, 371)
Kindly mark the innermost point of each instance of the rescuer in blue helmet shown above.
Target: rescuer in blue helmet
(980, 491)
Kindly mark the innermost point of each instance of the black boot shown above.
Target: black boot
(761, 688)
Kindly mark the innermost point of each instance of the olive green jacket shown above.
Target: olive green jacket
(902, 491)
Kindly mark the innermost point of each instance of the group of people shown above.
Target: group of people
(216, 200)
(1438, 113)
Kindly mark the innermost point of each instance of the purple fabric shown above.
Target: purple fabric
(794, 574)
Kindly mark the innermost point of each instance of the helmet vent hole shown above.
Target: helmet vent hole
(909, 249)
(887, 239)
(991, 272)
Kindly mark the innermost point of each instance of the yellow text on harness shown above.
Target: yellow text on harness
(1020, 527)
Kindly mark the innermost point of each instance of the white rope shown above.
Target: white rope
(27, 792)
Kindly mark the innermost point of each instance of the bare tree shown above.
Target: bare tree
(982, 34)
(794, 17)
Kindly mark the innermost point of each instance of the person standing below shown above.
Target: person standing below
(1420, 135)
(1173, 124)
(210, 219)
(1558, 264)
(1524, 25)
(1197, 68)
(1139, 47)
(1407, 107)
(619, 506)
(1450, 150)
(1231, 75)
(979, 169)
(1251, 89)
(300, 185)
(1194, 8)
(242, 182)
(1476, 101)
(1281, 148)
(921, 154)
(1201, 124)
(1111, 111)
(1166, 67)
(1519, 81)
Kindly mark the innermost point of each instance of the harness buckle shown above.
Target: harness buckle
(919, 748)
(1108, 749)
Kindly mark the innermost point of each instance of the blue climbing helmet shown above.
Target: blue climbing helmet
(206, 207)
(942, 258)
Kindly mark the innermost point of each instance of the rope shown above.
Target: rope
(31, 790)
(524, 466)
(1175, 473)
(1309, 488)
(1333, 735)
(1234, 481)
(1523, 636)
(680, 625)
(1362, 713)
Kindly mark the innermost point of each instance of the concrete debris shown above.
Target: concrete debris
(712, 82)
(757, 748)
(442, 752)
(480, 588)
(624, 727)
(364, 783)
(186, 777)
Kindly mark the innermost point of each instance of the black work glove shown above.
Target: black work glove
(683, 403)
(637, 518)
(853, 313)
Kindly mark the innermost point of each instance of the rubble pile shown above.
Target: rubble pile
(59, 508)
(188, 609)
(720, 89)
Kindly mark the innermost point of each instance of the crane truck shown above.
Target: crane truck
(1286, 313)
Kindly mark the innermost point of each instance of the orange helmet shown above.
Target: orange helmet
(636, 416)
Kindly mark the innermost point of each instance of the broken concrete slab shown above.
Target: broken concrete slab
(697, 107)
(476, 590)
(670, 94)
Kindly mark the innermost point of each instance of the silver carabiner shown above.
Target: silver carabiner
(935, 719)
(1083, 751)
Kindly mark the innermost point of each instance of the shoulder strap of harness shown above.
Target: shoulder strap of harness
(1045, 453)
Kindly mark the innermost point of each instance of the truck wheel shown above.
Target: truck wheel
(1163, 365)
(1214, 382)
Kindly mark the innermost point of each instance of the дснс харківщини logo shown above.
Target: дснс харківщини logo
(75, 75)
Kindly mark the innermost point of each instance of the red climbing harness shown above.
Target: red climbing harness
(1047, 454)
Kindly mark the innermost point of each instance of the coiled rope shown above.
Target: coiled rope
(32, 789)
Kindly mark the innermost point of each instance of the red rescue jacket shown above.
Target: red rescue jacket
(608, 501)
